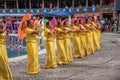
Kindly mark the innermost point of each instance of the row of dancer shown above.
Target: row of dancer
(85, 39)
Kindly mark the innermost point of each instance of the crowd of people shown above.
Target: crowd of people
(109, 25)
(76, 40)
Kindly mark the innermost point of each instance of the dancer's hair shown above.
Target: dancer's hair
(58, 23)
(28, 22)
(80, 21)
(47, 23)
(75, 21)
(64, 23)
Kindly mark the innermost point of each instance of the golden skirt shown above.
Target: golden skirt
(33, 60)
(5, 73)
(62, 57)
(96, 40)
(99, 37)
(90, 44)
(77, 49)
(68, 49)
(83, 44)
(51, 55)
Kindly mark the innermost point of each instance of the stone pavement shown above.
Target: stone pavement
(103, 65)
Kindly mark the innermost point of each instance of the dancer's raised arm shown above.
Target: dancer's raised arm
(3, 27)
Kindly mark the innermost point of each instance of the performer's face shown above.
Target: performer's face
(76, 23)
(66, 25)
(48, 25)
(89, 20)
(31, 24)
(59, 25)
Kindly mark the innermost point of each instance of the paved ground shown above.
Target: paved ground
(103, 65)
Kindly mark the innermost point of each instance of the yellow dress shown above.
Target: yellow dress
(83, 40)
(96, 37)
(51, 55)
(32, 52)
(99, 36)
(89, 36)
(76, 41)
(62, 57)
(5, 73)
(68, 46)
(98, 32)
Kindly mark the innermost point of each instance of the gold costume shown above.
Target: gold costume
(77, 43)
(96, 37)
(89, 36)
(5, 73)
(32, 52)
(51, 55)
(83, 40)
(62, 57)
(68, 46)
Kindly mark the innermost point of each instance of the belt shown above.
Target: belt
(76, 35)
(60, 38)
(49, 40)
(31, 41)
(67, 38)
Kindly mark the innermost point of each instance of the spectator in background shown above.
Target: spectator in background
(115, 26)
(111, 24)
(112, 21)
(102, 21)
(106, 25)
(103, 24)
(51, 5)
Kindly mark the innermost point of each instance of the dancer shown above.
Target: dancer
(76, 41)
(5, 73)
(62, 57)
(95, 35)
(89, 35)
(32, 48)
(98, 32)
(82, 35)
(51, 54)
(67, 40)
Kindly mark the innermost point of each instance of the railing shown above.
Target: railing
(16, 47)
(108, 7)
(21, 12)
(41, 11)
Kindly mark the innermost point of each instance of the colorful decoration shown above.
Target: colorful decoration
(64, 9)
(70, 10)
(31, 11)
(85, 9)
(77, 9)
(45, 10)
(18, 11)
(38, 11)
(11, 11)
(53, 22)
(3, 11)
(25, 11)
(93, 9)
